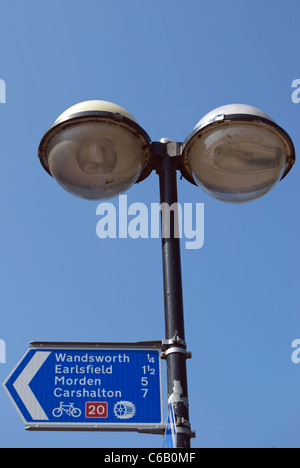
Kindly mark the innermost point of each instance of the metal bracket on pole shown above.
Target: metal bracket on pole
(173, 350)
(174, 345)
(184, 427)
(167, 147)
(186, 430)
(175, 340)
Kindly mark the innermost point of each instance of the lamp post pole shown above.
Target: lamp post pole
(175, 346)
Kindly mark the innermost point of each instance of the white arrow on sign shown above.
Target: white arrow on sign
(21, 385)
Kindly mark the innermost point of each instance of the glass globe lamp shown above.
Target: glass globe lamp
(96, 150)
(237, 153)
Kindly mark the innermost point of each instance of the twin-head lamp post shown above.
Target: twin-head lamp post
(96, 150)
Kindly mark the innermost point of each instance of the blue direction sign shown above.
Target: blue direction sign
(171, 431)
(101, 386)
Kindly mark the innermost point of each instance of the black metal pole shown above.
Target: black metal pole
(175, 349)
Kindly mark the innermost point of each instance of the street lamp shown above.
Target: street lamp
(96, 150)
(236, 153)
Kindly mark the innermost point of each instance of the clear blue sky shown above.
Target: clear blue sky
(168, 62)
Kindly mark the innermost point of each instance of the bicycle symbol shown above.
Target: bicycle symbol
(69, 409)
